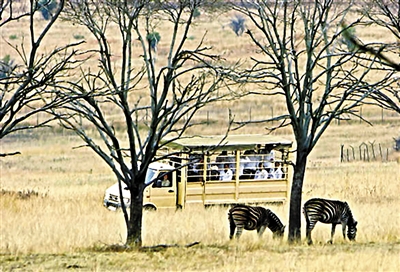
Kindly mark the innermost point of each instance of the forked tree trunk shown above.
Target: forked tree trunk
(134, 224)
(295, 199)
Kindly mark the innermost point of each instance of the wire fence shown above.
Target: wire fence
(364, 152)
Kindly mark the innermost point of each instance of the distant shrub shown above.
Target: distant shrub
(346, 39)
(196, 13)
(237, 25)
(396, 144)
(6, 66)
(13, 37)
(79, 37)
(46, 7)
(23, 194)
(153, 39)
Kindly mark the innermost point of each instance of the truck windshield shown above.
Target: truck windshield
(150, 175)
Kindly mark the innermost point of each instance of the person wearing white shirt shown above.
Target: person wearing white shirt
(244, 161)
(166, 182)
(225, 158)
(278, 174)
(261, 173)
(269, 159)
(270, 173)
(226, 174)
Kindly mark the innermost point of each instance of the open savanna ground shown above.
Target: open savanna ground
(52, 216)
(51, 195)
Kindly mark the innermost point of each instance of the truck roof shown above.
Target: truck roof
(160, 166)
(230, 142)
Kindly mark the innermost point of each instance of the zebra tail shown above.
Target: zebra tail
(232, 225)
(305, 214)
(230, 218)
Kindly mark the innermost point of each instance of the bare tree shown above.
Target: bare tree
(11, 10)
(304, 61)
(386, 15)
(27, 85)
(138, 96)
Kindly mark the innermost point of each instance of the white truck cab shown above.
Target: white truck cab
(162, 193)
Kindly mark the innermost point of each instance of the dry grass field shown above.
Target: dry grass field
(52, 218)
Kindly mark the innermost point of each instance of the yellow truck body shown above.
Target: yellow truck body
(195, 172)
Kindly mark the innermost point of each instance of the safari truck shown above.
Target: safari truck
(216, 170)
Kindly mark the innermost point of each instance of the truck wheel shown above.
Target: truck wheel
(149, 208)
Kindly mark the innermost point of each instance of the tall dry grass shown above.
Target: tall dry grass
(59, 211)
(51, 195)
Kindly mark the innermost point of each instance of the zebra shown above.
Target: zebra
(251, 218)
(329, 211)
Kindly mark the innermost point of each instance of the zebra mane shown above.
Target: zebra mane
(275, 223)
(348, 210)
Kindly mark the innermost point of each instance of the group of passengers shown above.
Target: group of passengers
(261, 173)
(252, 166)
(272, 173)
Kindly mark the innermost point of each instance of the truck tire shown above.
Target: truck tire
(149, 208)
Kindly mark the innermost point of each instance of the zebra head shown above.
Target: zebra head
(352, 230)
(279, 233)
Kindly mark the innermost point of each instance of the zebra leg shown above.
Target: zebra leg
(308, 235)
(332, 233)
(261, 230)
(344, 230)
(239, 231)
(309, 228)
(232, 227)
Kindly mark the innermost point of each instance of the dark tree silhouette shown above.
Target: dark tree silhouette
(27, 84)
(131, 103)
(386, 15)
(304, 61)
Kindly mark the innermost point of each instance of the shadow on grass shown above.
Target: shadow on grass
(126, 248)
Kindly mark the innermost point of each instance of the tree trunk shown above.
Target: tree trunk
(295, 198)
(134, 224)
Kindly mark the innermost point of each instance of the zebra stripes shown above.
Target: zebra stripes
(251, 218)
(329, 211)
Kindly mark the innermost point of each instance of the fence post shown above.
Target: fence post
(341, 152)
(373, 150)
(366, 152)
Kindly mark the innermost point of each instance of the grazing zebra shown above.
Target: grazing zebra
(251, 218)
(329, 211)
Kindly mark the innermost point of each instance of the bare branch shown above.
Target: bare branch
(127, 107)
(28, 89)
(9, 154)
(304, 59)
